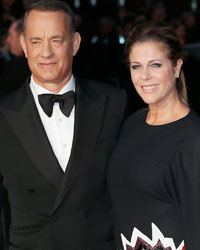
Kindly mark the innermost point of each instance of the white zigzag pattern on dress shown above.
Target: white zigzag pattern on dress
(156, 236)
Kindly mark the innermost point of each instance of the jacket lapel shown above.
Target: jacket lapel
(89, 112)
(24, 119)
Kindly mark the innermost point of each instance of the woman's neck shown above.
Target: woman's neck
(159, 115)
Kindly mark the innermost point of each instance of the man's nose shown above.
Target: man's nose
(46, 50)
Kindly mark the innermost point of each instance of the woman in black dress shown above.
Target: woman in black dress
(154, 172)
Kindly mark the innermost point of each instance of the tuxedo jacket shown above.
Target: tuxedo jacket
(50, 209)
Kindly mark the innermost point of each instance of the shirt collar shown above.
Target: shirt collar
(38, 90)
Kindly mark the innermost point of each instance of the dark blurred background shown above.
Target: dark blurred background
(104, 25)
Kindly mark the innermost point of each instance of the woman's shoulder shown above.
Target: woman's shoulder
(194, 116)
(193, 122)
(135, 119)
(141, 113)
(188, 130)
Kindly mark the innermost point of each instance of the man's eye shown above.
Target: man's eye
(57, 42)
(35, 42)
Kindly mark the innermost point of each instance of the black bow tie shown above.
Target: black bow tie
(66, 102)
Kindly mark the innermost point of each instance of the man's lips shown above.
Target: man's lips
(47, 64)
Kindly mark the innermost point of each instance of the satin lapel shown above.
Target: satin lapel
(89, 112)
(27, 125)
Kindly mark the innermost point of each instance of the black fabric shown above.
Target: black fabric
(51, 209)
(14, 74)
(66, 102)
(154, 178)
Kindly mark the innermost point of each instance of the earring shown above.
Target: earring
(177, 75)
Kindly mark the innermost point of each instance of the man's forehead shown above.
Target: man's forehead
(44, 13)
(46, 20)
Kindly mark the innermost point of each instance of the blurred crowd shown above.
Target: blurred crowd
(101, 56)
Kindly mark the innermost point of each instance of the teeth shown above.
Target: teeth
(148, 87)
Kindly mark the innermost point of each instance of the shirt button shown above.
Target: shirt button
(31, 191)
(65, 145)
(60, 119)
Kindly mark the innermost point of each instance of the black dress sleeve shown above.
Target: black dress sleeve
(185, 180)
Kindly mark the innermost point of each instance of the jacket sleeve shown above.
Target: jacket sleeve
(3, 215)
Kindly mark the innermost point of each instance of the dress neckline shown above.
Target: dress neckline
(166, 124)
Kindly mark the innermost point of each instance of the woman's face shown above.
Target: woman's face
(152, 72)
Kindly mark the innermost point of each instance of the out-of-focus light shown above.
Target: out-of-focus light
(93, 2)
(121, 2)
(77, 3)
(121, 40)
(94, 39)
(194, 5)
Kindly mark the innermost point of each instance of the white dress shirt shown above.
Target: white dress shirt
(59, 128)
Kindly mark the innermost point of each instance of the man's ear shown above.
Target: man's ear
(76, 42)
(23, 44)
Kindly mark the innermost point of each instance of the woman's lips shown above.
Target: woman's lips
(149, 88)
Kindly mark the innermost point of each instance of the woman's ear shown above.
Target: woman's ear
(178, 67)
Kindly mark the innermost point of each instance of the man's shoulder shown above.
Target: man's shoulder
(8, 96)
(100, 87)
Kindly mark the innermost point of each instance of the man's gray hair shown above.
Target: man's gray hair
(51, 5)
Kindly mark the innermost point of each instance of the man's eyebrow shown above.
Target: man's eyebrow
(57, 36)
(34, 38)
(53, 37)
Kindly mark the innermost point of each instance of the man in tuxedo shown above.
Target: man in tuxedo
(56, 136)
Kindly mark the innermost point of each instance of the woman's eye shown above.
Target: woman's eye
(135, 66)
(157, 65)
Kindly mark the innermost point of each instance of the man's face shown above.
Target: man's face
(49, 47)
(13, 40)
